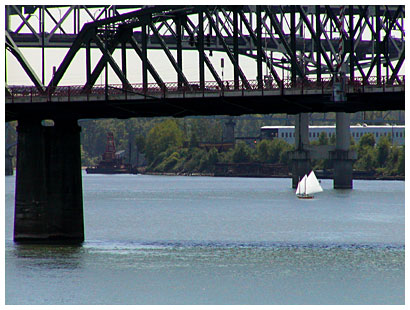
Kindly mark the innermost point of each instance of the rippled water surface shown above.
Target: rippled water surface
(202, 240)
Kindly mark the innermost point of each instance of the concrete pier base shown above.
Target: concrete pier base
(342, 158)
(48, 201)
(342, 169)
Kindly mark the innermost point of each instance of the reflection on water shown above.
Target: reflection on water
(47, 256)
(206, 273)
(158, 240)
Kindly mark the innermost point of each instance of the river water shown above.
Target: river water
(204, 240)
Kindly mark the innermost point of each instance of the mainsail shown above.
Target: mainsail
(308, 185)
(312, 184)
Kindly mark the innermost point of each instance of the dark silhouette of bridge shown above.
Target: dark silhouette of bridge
(338, 58)
(304, 97)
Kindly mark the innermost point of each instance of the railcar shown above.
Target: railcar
(394, 132)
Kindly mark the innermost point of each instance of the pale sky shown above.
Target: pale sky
(75, 75)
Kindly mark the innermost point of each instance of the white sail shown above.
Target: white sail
(312, 184)
(301, 189)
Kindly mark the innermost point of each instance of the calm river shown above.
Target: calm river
(204, 240)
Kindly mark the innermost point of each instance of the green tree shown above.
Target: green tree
(393, 162)
(401, 164)
(242, 153)
(273, 151)
(323, 139)
(367, 139)
(207, 162)
(161, 137)
(366, 158)
(383, 150)
(263, 151)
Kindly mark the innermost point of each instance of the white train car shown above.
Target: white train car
(287, 133)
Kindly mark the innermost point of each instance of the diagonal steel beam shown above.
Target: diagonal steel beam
(346, 38)
(397, 68)
(353, 45)
(369, 24)
(169, 27)
(279, 31)
(233, 23)
(58, 25)
(92, 77)
(376, 57)
(26, 22)
(17, 30)
(313, 34)
(108, 57)
(13, 48)
(227, 50)
(222, 23)
(150, 67)
(205, 57)
(385, 43)
(82, 38)
(55, 21)
(169, 54)
(391, 24)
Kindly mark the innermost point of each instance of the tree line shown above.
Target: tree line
(173, 145)
(168, 148)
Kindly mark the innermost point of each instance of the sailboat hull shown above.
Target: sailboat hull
(305, 196)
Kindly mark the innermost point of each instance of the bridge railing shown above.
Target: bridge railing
(325, 85)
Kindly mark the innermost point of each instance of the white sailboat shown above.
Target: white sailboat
(308, 186)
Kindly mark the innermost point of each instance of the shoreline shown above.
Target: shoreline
(320, 175)
(323, 177)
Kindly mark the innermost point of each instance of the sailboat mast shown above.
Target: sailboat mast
(305, 186)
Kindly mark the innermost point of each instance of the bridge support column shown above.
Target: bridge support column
(301, 164)
(342, 158)
(9, 164)
(48, 201)
(229, 131)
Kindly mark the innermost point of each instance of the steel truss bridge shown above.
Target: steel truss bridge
(339, 59)
(362, 47)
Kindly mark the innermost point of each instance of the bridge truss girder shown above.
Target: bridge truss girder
(278, 29)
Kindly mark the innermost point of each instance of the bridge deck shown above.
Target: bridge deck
(171, 100)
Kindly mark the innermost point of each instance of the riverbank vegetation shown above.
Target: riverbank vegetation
(182, 155)
(195, 145)
(176, 146)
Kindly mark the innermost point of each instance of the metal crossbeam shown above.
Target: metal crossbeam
(169, 55)
(227, 50)
(228, 29)
(13, 48)
(108, 58)
(203, 56)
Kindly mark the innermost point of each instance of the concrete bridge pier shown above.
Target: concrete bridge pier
(301, 164)
(341, 157)
(229, 131)
(48, 201)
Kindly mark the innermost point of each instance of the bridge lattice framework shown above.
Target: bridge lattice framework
(305, 40)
